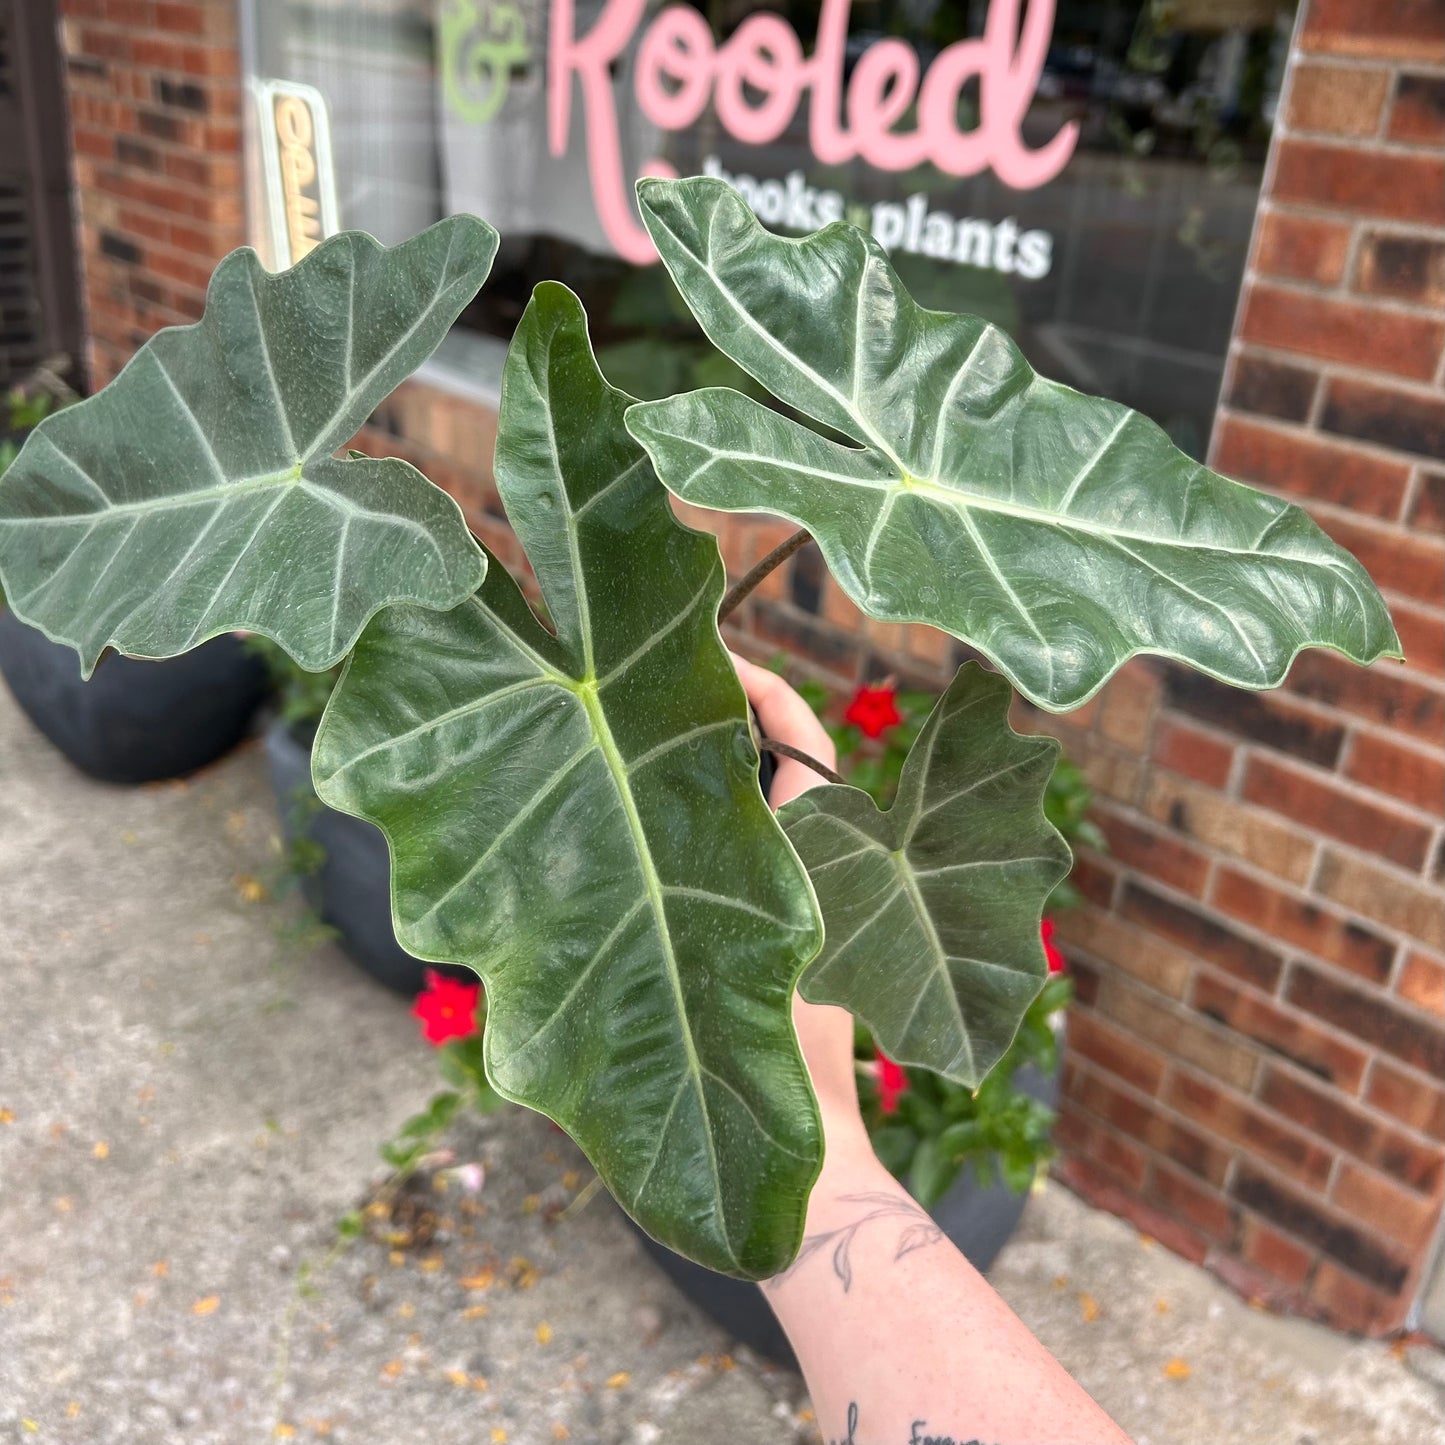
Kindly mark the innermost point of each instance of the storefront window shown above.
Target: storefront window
(1084, 173)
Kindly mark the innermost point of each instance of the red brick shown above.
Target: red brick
(1379, 694)
(1388, 29)
(1152, 852)
(1337, 100)
(136, 222)
(1077, 1133)
(101, 44)
(1330, 810)
(1110, 1049)
(137, 14)
(1397, 561)
(1261, 1290)
(1422, 639)
(1129, 703)
(1388, 1209)
(1382, 894)
(1302, 248)
(1411, 774)
(1413, 1100)
(1285, 1031)
(1193, 752)
(1302, 922)
(1388, 416)
(1086, 979)
(1351, 1304)
(183, 19)
(1386, 185)
(1389, 341)
(1262, 1136)
(1305, 465)
(1267, 719)
(178, 268)
(1303, 1215)
(1104, 1192)
(1418, 111)
(1094, 877)
(1209, 1212)
(1142, 1120)
(1367, 1014)
(1402, 268)
(1362, 1134)
(1196, 930)
(1179, 1034)
(1270, 387)
(1422, 982)
(93, 143)
(1275, 1253)
(156, 52)
(214, 62)
(1121, 946)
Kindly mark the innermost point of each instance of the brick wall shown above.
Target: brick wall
(1255, 1064)
(155, 126)
(1256, 1073)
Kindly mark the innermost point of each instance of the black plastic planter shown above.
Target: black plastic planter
(979, 1219)
(351, 888)
(134, 721)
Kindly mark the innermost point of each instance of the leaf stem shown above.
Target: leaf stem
(739, 591)
(785, 750)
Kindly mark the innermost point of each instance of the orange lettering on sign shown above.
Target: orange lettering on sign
(296, 135)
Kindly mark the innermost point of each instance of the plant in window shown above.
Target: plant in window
(572, 805)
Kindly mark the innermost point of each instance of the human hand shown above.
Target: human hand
(825, 1032)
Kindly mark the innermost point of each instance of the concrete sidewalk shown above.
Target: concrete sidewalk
(190, 1102)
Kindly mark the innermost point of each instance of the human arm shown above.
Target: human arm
(900, 1339)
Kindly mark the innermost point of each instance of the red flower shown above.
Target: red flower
(873, 711)
(1055, 958)
(447, 1008)
(892, 1081)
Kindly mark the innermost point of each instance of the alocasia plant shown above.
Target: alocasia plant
(572, 803)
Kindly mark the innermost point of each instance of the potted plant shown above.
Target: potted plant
(135, 722)
(340, 861)
(572, 806)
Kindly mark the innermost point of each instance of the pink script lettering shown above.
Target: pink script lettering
(679, 68)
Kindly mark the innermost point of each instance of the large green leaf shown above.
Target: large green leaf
(932, 908)
(198, 492)
(577, 817)
(1057, 533)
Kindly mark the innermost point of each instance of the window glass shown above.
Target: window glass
(1084, 173)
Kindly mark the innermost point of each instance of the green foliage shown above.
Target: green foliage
(875, 765)
(25, 408)
(463, 1069)
(942, 893)
(552, 800)
(570, 792)
(1084, 535)
(939, 1127)
(199, 492)
(301, 695)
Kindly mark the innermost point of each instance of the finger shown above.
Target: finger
(783, 715)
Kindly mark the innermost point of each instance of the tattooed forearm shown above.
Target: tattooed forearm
(920, 1231)
(918, 1433)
